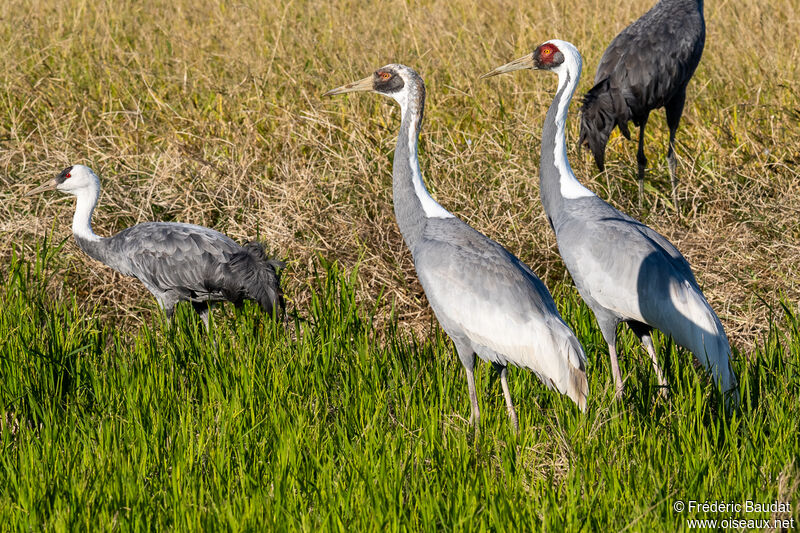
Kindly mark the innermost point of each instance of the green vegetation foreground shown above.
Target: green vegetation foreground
(324, 425)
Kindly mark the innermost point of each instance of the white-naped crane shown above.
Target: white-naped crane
(175, 262)
(486, 300)
(624, 270)
(647, 66)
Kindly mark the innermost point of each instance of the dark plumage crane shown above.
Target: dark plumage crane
(646, 66)
(176, 262)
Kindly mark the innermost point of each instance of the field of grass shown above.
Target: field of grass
(354, 415)
(333, 424)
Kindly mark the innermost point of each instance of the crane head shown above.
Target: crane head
(71, 180)
(394, 80)
(548, 56)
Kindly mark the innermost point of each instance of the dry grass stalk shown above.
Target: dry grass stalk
(210, 112)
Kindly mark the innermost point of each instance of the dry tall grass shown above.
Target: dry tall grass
(210, 112)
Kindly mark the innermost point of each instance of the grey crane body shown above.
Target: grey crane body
(174, 261)
(491, 304)
(647, 66)
(627, 272)
(486, 300)
(624, 270)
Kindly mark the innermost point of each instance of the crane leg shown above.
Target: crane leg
(620, 386)
(674, 110)
(647, 340)
(169, 310)
(467, 356)
(203, 309)
(642, 160)
(608, 327)
(475, 414)
(672, 164)
(645, 334)
(512, 414)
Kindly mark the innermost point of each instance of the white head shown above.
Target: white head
(77, 180)
(405, 86)
(559, 56)
(396, 81)
(80, 181)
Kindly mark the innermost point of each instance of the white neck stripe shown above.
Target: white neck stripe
(570, 186)
(430, 206)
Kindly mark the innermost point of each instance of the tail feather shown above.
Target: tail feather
(716, 356)
(578, 384)
(257, 277)
(603, 109)
(555, 355)
(568, 373)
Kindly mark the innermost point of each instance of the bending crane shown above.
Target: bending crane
(176, 262)
(646, 66)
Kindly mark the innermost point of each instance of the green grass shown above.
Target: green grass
(334, 423)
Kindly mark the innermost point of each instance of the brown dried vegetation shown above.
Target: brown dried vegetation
(210, 112)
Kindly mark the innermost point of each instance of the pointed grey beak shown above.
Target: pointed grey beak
(360, 85)
(49, 185)
(525, 61)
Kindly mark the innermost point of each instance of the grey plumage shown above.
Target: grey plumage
(624, 270)
(486, 300)
(647, 66)
(470, 280)
(175, 262)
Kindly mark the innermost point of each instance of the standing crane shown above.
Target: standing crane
(175, 262)
(486, 300)
(646, 66)
(624, 271)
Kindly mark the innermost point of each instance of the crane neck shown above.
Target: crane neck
(87, 240)
(82, 219)
(557, 181)
(413, 204)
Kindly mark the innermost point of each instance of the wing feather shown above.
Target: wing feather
(175, 257)
(481, 292)
(654, 57)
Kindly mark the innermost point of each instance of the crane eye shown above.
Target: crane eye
(385, 76)
(546, 51)
(69, 175)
